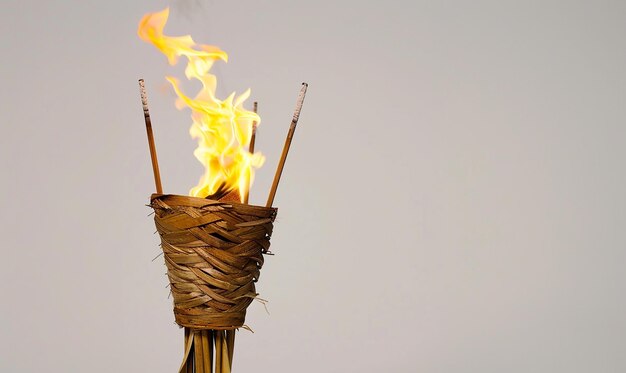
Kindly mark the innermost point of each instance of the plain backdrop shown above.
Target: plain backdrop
(453, 200)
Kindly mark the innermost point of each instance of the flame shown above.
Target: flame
(223, 128)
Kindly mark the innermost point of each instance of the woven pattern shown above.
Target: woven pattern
(213, 252)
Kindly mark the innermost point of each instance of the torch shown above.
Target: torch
(213, 240)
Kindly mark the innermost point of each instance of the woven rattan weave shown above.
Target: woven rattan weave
(213, 252)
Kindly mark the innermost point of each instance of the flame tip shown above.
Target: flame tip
(223, 128)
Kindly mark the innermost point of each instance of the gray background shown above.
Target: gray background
(453, 201)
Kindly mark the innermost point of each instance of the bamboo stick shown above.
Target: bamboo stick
(251, 149)
(208, 351)
(225, 368)
(191, 356)
(283, 157)
(230, 343)
(198, 353)
(187, 365)
(218, 350)
(153, 154)
(211, 345)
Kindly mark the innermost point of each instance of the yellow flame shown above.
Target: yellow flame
(223, 128)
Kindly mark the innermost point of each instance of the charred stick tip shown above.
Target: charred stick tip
(300, 101)
(144, 96)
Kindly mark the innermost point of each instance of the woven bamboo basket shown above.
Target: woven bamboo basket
(214, 253)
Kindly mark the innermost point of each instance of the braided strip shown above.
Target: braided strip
(213, 253)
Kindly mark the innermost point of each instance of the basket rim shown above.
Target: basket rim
(202, 202)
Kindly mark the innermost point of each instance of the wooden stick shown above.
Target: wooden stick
(230, 342)
(218, 351)
(153, 154)
(207, 352)
(198, 353)
(283, 157)
(225, 359)
(211, 355)
(187, 365)
(251, 148)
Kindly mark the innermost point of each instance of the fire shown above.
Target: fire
(223, 128)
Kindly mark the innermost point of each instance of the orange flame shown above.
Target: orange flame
(223, 128)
